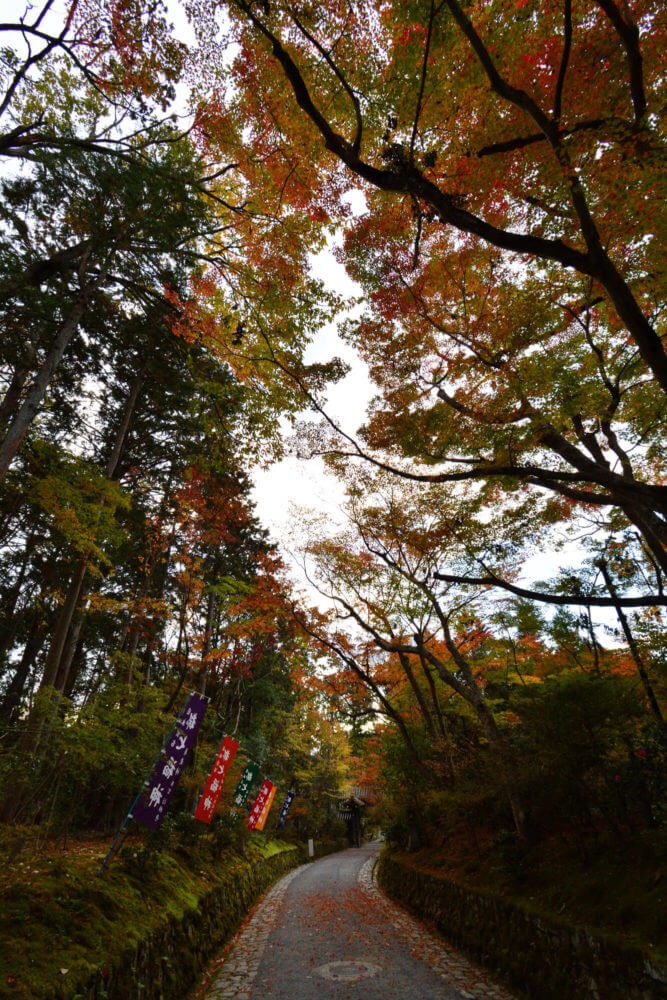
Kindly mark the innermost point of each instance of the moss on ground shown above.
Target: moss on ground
(61, 921)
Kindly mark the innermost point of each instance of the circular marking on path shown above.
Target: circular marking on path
(348, 972)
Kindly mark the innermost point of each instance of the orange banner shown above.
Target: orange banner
(259, 803)
(265, 811)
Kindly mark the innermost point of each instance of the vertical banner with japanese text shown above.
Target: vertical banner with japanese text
(159, 787)
(284, 809)
(210, 795)
(245, 783)
(259, 803)
(266, 810)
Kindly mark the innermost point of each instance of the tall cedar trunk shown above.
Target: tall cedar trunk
(634, 649)
(39, 722)
(11, 399)
(74, 644)
(179, 658)
(62, 625)
(8, 629)
(148, 656)
(20, 425)
(68, 628)
(132, 643)
(14, 693)
(206, 647)
(63, 644)
(94, 683)
(77, 664)
(131, 629)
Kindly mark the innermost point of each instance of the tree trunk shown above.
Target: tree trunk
(473, 694)
(11, 399)
(68, 629)
(133, 642)
(179, 658)
(8, 629)
(14, 693)
(419, 695)
(62, 627)
(64, 678)
(653, 531)
(442, 725)
(506, 765)
(20, 425)
(634, 649)
(206, 647)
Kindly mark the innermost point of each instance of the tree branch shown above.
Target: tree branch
(491, 580)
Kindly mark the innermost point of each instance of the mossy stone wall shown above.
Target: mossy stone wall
(165, 965)
(544, 959)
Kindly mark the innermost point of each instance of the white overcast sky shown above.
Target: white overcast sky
(304, 483)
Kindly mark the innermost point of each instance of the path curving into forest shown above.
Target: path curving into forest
(326, 931)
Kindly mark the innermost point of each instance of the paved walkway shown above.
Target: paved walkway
(326, 932)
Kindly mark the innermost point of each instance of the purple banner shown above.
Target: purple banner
(282, 819)
(152, 803)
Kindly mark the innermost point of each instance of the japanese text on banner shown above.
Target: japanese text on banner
(282, 818)
(259, 804)
(210, 795)
(245, 783)
(266, 810)
(152, 805)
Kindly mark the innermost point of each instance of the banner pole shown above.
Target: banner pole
(151, 769)
(115, 840)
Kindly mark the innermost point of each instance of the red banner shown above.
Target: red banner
(259, 803)
(213, 787)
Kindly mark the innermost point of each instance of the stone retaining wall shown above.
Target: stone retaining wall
(165, 965)
(544, 959)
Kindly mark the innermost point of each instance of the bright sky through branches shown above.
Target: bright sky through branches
(304, 482)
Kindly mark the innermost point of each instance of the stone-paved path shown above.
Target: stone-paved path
(326, 932)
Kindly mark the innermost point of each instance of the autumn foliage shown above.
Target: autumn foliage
(492, 626)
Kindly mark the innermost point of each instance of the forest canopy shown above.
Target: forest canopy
(163, 192)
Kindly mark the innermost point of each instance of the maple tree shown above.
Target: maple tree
(480, 120)
(162, 204)
(403, 628)
(509, 267)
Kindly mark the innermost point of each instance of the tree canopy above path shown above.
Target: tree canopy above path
(163, 199)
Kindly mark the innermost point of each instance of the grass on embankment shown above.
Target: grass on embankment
(61, 921)
(618, 890)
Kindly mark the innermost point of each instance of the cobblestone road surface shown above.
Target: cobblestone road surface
(326, 932)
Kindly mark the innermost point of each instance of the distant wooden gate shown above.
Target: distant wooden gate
(350, 809)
